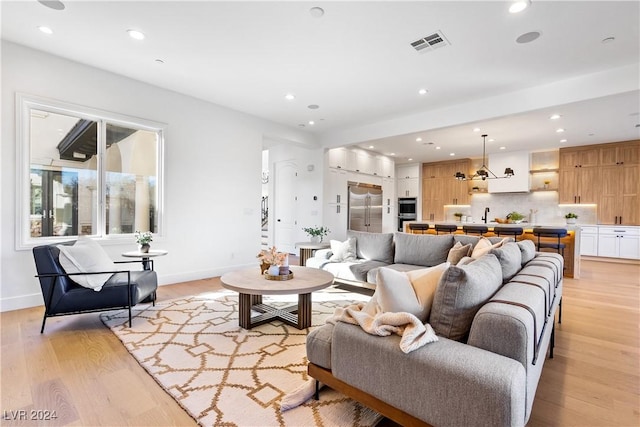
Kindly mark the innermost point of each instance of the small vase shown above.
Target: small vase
(316, 239)
(571, 220)
(274, 270)
(144, 248)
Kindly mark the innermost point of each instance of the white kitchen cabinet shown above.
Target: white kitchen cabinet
(388, 205)
(408, 187)
(589, 241)
(336, 186)
(341, 158)
(408, 171)
(365, 162)
(387, 167)
(335, 218)
(619, 242)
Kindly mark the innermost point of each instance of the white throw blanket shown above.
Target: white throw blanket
(373, 321)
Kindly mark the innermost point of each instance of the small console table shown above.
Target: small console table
(307, 249)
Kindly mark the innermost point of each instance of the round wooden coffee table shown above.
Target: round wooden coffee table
(251, 285)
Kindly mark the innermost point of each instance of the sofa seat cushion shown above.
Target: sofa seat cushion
(349, 270)
(445, 383)
(373, 246)
(113, 293)
(319, 345)
(460, 294)
(425, 250)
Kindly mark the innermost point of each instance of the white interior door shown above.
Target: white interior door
(285, 206)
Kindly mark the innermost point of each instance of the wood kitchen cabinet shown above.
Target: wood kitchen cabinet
(619, 202)
(579, 175)
(440, 188)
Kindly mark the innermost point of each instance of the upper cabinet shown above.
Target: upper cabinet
(360, 161)
(408, 182)
(607, 175)
(440, 188)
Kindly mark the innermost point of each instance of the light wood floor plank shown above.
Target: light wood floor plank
(79, 365)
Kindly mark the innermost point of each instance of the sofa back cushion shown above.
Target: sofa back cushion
(461, 292)
(373, 246)
(422, 249)
(510, 260)
(527, 250)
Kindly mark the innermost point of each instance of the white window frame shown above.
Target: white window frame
(24, 104)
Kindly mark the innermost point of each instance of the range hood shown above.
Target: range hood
(519, 161)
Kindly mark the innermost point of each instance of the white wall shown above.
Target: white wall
(212, 169)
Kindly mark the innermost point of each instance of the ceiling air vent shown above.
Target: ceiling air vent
(430, 42)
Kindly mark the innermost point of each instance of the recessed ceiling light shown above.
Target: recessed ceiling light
(422, 92)
(555, 116)
(418, 139)
(316, 12)
(452, 154)
(392, 154)
(289, 97)
(528, 37)
(410, 159)
(437, 148)
(313, 106)
(608, 40)
(135, 34)
(503, 148)
(519, 5)
(52, 4)
(491, 139)
(371, 146)
(559, 130)
(476, 129)
(563, 140)
(45, 30)
(311, 122)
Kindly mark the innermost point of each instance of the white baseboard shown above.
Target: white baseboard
(20, 302)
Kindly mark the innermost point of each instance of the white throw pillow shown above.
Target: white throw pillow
(86, 256)
(343, 251)
(410, 292)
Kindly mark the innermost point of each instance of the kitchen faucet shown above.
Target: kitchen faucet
(484, 218)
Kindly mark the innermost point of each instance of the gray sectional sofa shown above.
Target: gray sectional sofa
(494, 318)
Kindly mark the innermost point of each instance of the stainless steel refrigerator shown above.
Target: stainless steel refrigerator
(365, 207)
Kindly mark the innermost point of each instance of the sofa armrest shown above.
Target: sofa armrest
(323, 254)
(445, 383)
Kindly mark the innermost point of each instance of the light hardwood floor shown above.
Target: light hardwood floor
(81, 370)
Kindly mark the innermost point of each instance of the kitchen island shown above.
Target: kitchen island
(571, 241)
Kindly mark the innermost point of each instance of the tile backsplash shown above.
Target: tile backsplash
(537, 207)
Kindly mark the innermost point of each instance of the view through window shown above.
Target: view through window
(78, 165)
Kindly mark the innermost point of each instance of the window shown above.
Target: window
(86, 172)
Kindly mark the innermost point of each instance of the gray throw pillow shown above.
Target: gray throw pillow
(510, 260)
(528, 250)
(422, 249)
(460, 294)
(373, 246)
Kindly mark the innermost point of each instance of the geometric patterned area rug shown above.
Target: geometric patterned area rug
(224, 375)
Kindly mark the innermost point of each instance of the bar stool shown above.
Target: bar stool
(508, 231)
(422, 228)
(557, 233)
(446, 228)
(475, 229)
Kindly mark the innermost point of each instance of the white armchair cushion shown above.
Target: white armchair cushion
(86, 256)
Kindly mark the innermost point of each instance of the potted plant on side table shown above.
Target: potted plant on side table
(571, 218)
(316, 233)
(143, 239)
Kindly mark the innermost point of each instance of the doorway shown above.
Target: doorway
(285, 205)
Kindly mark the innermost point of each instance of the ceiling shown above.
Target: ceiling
(357, 65)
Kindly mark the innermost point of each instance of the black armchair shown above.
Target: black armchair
(62, 296)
